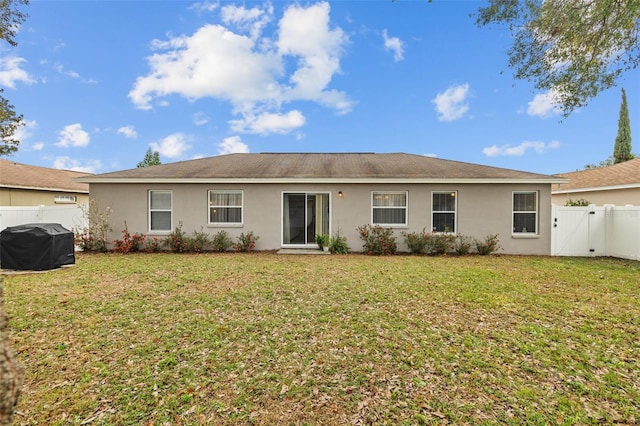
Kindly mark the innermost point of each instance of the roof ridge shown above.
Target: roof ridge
(316, 153)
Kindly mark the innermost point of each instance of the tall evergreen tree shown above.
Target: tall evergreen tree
(151, 158)
(622, 147)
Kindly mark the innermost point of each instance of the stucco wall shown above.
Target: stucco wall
(32, 197)
(482, 209)
(617, 197)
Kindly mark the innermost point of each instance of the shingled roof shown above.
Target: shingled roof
(23, 176)
(625, 174)
(318, 167)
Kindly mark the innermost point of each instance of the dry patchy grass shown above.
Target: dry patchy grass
(268, 339)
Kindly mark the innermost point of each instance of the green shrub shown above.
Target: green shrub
(152, 245)
(87, 242)
(338, 244)
(577, 203)
(424, 242)
(245, 242)
(440, 243)
(221, 242)
(93, 237)
(489, 245)
(198, 241)
(377, 240)
(129, 243)
(416, 241)
(462, 244)
(176, 241)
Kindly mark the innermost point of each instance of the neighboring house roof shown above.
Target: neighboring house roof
(23, 176)
(319, 167)
(619, 176)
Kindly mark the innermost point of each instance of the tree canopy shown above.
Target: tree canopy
(574, 49)
(9, 123)
(10, 19)
(151, 158)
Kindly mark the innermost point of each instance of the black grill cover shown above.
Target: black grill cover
(36, 246)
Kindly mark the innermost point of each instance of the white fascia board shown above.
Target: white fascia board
(322, 180)
(597, 188)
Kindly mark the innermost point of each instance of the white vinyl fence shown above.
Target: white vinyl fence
(596, 231)
(70, 216)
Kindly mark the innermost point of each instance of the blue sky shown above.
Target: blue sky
(100, 82)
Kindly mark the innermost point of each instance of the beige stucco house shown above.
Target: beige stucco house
(25, 185)
(618, 185)
(288, 198)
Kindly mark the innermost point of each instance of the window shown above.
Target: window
(64, 199)
(443, 208)
(160, 211)
(225, 207)
(389, 208)
(525, 212)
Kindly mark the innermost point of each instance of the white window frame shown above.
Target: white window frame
(535, 212)
(212, 206)
(65, 199)
(454, 211)
(306, 194)
(170, 210)
(406, 208)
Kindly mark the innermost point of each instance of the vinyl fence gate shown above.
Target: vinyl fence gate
(596, 231)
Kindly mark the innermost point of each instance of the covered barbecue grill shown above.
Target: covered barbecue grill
(36, 246)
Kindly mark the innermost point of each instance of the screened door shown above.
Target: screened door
(304, 215)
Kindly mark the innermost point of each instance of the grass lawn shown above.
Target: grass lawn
(266, 339)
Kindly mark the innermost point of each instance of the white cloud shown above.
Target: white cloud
(23, 133)
(543, 106)
(519, 150)
(269, 123)
(232, 145)
(11, 73)
(305, 33)
(172, 146)
(66, 163)
(452, 103)
(213, 62)
(73, 135)
(205, 6)
(395, 45)
(128, 132)
(61, 70)
(249, 71)
(200, 119)
(251, 20)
